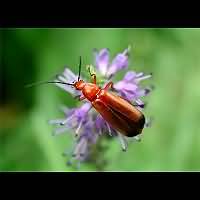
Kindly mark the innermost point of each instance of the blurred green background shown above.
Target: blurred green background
(31, 55)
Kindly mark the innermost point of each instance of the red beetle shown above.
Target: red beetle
(120, 114)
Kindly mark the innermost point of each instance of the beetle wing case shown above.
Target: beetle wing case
(119, 113)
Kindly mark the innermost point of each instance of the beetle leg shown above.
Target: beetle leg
(79, 97)
(94, 78)
(93, 75)
(108, 85)
(139, 105)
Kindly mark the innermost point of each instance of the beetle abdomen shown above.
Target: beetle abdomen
(128, 126)
(129, 122)
(140, 125)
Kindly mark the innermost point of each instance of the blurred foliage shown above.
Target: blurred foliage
(31, 55)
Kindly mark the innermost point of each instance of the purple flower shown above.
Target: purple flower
(129, 87)
(84, 142)
(75, 118)
(84, 122)
(105, 68)
(68, 77)
(102, 60)
(103, 127)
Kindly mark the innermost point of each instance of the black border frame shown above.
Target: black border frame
(117, 182)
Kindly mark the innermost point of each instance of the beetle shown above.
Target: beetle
(118, 112)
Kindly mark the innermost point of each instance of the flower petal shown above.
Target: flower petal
(102, 61)
(60, 130)
(129, 76)
(99, 123)
(143, 92)
(122, 85)
(56, 121)
(69, 75)
(123, 142)
(79, 146)
(69, 89)
(119, 62)
(143, 77)
(83, 110)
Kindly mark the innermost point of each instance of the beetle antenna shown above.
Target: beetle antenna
(79, 70)
(47, 82)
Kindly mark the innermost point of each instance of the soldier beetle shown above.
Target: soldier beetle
(118, 112)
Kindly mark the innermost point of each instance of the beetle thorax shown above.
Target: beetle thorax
(90, 91)
(79, 85)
